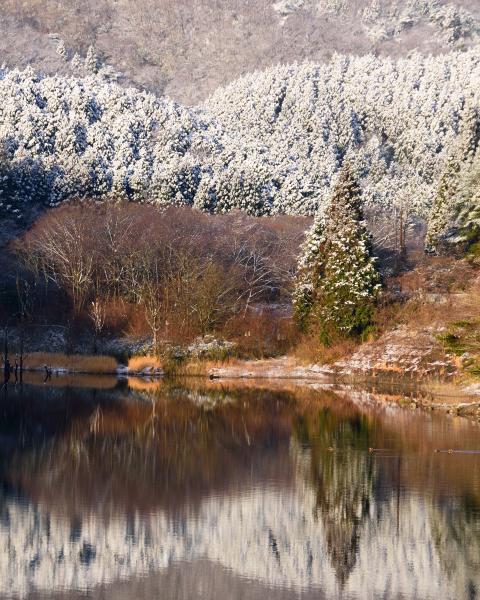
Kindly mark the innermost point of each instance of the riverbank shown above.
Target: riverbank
(61, 363)
(392, 391)
(387, 363)
(387, 389)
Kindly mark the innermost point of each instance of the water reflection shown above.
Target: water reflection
(130, 489)
(342, 474)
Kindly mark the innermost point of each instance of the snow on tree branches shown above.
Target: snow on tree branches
(463, 217)
(338, 282)
(269, 143)
(450, 211)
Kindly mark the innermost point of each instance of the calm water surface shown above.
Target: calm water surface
(198, 490)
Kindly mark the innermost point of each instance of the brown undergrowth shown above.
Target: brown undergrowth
(142, 363)
(78, 363)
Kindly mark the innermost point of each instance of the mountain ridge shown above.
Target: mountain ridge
(188, 49)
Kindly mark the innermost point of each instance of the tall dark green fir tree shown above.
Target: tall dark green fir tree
(338, 282)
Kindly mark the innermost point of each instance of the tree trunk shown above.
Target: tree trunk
(22, 335)
(5, 341)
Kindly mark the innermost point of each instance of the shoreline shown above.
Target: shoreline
(427, 393)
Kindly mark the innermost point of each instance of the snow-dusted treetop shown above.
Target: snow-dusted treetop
(270, 142)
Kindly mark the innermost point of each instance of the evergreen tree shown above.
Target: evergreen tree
(62, 50)
(439, 218)
(4, 183)
(466, 207)
(449, 202)
(308, 273)
(76, 62)
(92, 62)
(338, 281)
(269, 143)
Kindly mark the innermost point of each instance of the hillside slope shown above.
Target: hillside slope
(271, 142)
(189, 48)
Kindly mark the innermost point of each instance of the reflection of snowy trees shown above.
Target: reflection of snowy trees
(456, 532)
(269, 535)
(343, 500)
(270, 142)
(324, 523)
(343, 476)
(379, 542)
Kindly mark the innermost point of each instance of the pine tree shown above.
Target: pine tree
(92, 62)
(449, 203)
(62, 50)
(466, 210)
(4, 184)
(268, 143)
(440, 214)
(338, 281)
(77, 62)
(310, 269)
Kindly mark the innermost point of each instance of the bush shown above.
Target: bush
(143, 363)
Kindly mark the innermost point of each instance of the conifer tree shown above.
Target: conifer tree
(448, 203)
(4, 180)
(440, 214)
(76, 62)
(92, 62)
(62, 50)
(308, 273)
(268, 143)
(466, 207)
(338, 281)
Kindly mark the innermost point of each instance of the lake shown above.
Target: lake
(213, 490)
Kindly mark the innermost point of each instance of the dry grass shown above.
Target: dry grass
(78, 363)
(201, 367)
(310, 351)
(141, 363)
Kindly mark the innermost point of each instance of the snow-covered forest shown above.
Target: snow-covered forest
(271, 142)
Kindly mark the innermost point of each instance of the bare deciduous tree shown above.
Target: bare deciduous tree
(188, 273)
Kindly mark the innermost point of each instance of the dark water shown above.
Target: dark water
(204, 491)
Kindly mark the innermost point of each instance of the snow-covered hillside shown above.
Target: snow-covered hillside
(271, 142)
(395, 121)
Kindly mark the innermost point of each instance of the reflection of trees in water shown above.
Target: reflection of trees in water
(343, 475)
(165, 449)
(165, 468)
(29, 413)
(455, 530)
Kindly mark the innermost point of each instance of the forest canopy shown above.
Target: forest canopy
(272, 142)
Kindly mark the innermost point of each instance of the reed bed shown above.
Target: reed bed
(73, 363)
(138, 364)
